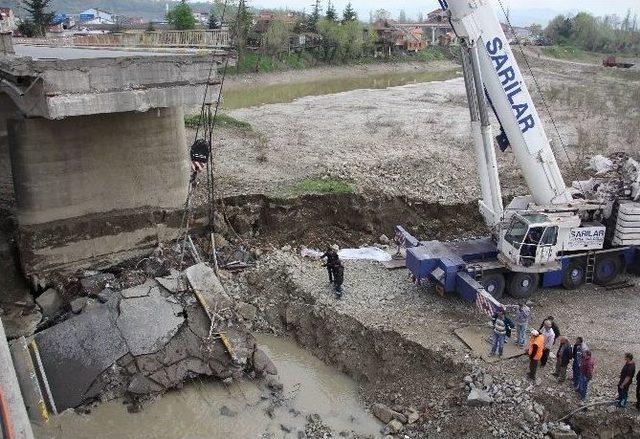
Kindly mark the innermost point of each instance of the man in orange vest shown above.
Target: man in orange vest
(534, 350)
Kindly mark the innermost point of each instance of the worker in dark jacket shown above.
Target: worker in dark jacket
(626, 377)
(338, 279)
(578, 350)
(332, 261)
(638, 391)
(562, 359)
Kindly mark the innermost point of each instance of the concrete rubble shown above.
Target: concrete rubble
(146, 339)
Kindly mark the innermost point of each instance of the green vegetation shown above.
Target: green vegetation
(323, 186)
(39, 17)
(568, 52)
(181, 17)
(221, 121)
(609, 34)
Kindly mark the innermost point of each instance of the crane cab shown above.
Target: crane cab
(530, 241)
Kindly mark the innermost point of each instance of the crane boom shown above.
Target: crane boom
(477, 24)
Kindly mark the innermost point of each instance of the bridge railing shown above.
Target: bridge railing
(184, 38)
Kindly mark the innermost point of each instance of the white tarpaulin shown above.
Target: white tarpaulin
(353, 254)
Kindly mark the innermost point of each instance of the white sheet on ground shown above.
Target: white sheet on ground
(352, 254)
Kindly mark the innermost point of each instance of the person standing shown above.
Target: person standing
(554, 326)
(338, 279)
(549, 340)
(534, 350)
(578, 351)
(562, 359)
(587, 367)
(626, 377)
(522, 316)
(499, 333)
(332, 261)
(638, 391)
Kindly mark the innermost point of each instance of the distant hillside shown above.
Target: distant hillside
(147, 9)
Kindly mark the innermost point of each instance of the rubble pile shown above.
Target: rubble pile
(143, 340)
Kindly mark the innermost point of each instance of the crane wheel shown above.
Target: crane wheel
(523, 285)
(575, 275)
(607, 269)
(494, 284)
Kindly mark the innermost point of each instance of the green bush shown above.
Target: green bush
(221, 121)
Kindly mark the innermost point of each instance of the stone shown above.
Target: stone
(562, 434)
(50, 302)
(468, 379)
(175, 282)
(384, 239)
(393, 427)
(247, 311)
(92, 285)
(400, 417)
(530, 416)
(478, 398)
(539, 409)
(382, 412)
(487, 381)
(105, 295)
(77, 305)
(262, 364)
(413, 417)
(226, 411)
(140, 290)
(274, 384)
(220, 241)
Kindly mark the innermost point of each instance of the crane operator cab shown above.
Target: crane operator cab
(530, 240)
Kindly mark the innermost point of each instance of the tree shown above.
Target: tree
(402, 18)
(314, 17)
(276, 39)
(381, 14)
(214, 22)
(536, 30)
(181, 16)
(40, 16)
(240, 29)
(349, 14)
(331, 14)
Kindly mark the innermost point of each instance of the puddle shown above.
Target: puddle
(195, 412)
(280, 93)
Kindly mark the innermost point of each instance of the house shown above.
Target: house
(8, 22)
(436, 16)
(96, 16)
(412, 40)
(392, 36)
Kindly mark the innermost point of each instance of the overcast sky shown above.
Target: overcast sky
(525, 8)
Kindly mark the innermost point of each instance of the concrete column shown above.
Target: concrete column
(90, 164)
(96, 187)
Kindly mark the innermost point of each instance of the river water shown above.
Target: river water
(194, 412)
(254, 95)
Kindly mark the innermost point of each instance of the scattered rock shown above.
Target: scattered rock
(478, 398)
(92, 285)
(226, 411)
(50, 302)
(393, 427)
(247, 311)
(384, 239)
(262, 364)
(562, 434)
(274, 384)
(383, 413)
(77, 305)
(104, 295)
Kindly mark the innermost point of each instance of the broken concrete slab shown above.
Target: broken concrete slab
(139, 290)
(50, 302)
(175, 282)
(477, 339)
(75, 352)
(160, 317)
(77, 305)
(208, 288)
(478, 398)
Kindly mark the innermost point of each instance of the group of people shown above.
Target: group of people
(335, 270)
(542, 341)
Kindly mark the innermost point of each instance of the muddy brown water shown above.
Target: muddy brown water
(310, 386)
(254, 95)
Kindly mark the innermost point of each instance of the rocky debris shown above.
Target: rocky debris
(50, 303)
(383, 413)
(226, 411)
(77, 305)
(247, 311)
(94, 283)
(393, 427)
(478, 398)
(146, 339)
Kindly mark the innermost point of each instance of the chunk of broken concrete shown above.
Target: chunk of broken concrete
(159, 320)
(141, 385)
(263, 364)
(139, 290)
(175, 282)
(247, 311)
(478, 398)
(204, 281)
(104, 295)
(50, 302)
(77, 305)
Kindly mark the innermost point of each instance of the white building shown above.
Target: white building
(96, 16)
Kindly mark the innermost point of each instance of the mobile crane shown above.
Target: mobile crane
(557, 235)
